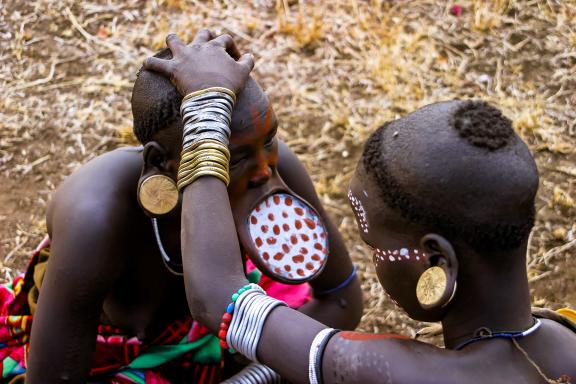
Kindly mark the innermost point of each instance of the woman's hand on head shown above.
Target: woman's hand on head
(206, 62)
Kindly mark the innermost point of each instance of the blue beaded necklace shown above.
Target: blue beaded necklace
(485, 334)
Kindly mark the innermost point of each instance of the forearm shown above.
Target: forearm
(210, 250)
(342, 309)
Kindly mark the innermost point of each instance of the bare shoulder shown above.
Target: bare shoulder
(107, 181)
(553, 348)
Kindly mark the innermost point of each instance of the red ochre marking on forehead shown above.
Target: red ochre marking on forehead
(299, 211)
(253, 220)
(358, 336)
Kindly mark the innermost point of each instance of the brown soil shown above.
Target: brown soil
(334, 72)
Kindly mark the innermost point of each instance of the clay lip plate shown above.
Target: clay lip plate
(289, 236)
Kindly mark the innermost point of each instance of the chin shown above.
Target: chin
(418, 313)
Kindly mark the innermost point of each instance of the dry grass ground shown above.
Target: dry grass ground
(334, 70)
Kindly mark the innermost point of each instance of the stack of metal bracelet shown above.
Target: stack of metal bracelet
(246, 316)
(255, 373)
(207, 115)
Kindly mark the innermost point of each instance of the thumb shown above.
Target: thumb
(247, 61)
(158, 65)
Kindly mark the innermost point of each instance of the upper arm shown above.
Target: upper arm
(85, 261)
(354, 357)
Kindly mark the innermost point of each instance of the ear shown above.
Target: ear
(155, 159)
(440, 254)
(157, 192)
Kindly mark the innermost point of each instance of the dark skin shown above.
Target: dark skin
(104, 254)
(489, 293)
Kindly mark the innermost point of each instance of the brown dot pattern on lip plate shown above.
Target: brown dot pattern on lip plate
(360, 212)
(290, 237)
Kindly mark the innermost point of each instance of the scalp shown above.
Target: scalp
(481, 178)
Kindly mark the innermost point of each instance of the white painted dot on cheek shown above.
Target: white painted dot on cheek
(403, 254)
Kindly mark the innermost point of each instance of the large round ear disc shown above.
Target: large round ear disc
(290, 237)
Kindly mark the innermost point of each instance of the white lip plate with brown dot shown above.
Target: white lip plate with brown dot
(289, 236)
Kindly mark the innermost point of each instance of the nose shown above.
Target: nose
(260, 177)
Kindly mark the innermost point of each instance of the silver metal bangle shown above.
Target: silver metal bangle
(251, 310)
(316, 349)
(255, 373)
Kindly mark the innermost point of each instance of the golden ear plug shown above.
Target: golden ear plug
(158, 194)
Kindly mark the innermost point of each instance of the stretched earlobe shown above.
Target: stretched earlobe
(436, 286)
(157, 192)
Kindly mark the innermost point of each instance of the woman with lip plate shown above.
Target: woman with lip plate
(444, 196)
(111, 300)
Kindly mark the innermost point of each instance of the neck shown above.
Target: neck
(494, 297)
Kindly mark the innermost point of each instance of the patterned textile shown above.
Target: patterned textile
(184, 348)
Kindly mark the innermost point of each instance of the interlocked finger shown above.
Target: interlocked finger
(202, 36)
(159, 65)
(225, 41)
(174, 43)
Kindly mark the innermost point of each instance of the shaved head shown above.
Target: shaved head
(156, 103)
(458, 168)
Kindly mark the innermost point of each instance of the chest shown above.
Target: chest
(147, 297)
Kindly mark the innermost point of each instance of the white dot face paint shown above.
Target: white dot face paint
(359, 211)
(290, 237)
(397, 255)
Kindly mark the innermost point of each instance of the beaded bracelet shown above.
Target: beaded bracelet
(250, 313)
(227, 316)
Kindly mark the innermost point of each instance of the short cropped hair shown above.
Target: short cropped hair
(481, 125)
(155, 102)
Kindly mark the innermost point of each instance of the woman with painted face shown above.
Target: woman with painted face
(112, 304)
(444, 196)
